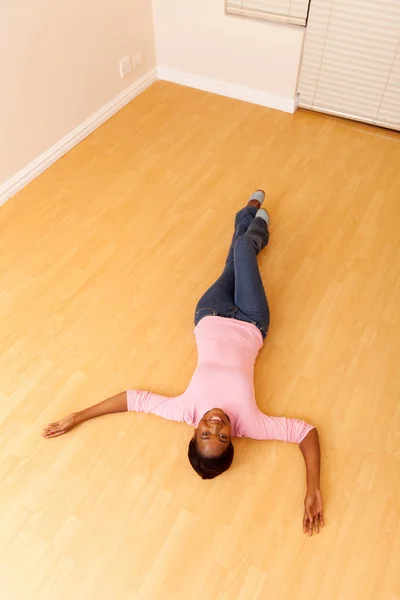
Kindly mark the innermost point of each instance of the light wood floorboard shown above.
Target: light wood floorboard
(102, 260)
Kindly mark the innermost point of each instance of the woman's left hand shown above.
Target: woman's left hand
(313, 514)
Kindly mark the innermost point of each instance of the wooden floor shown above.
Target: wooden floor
(102, 259)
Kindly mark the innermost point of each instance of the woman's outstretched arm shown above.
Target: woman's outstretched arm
(111, 405)
(313, 515)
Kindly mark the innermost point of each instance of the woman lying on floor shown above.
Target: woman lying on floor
(231, 323)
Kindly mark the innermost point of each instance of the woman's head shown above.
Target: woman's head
(211, 450)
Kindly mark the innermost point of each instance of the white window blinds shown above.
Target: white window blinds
(287, 11)
(351, 60)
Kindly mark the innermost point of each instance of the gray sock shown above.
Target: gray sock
(262, 213)
(258, 195)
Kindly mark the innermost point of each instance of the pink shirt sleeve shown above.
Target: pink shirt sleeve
(263, 427)
(163, 406)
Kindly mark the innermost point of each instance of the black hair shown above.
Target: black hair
(208, 468)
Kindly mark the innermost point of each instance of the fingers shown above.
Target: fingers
(53, 434)
(305, 521)
(52, 426)
(319, 521)
(312, 521)
(53, 430)
(316, 524)
(312, 524)
(307, 524)
(309, 512)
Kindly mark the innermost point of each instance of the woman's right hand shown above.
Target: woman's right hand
(60, 427)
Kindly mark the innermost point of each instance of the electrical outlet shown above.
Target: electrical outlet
(125, 66)
(137, 60)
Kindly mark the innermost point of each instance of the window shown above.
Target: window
(284, 11)
(351, 60)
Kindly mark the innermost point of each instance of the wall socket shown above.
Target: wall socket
(125, 66)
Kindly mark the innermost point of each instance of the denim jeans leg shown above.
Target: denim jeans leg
(243, 220)
(220, 297)
(250, 296)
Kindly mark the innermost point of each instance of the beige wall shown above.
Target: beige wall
(59, 64)
(198, 38)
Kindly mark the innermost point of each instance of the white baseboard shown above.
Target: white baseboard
(45, 160)
(10, 187)
(222, 88)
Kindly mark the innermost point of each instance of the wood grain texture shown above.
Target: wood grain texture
(102, 260)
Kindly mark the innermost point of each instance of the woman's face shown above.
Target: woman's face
(213, 433)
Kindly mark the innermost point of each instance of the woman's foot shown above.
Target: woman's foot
(262, 214)
(256, 199)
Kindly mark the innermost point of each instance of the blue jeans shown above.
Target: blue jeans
(239, 292)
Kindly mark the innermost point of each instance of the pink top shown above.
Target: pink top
(227, 350)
